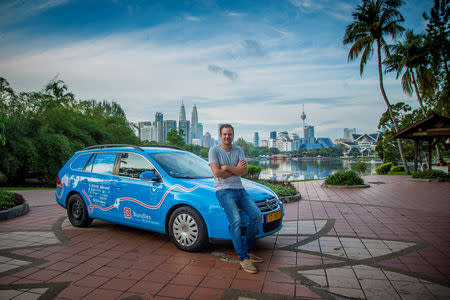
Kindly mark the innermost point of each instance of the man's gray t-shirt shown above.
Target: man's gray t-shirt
(231, 158)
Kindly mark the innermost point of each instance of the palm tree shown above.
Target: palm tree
(57, 89)
(372, 21)
(410, 58)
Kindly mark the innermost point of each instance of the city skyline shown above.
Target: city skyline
(252, 64)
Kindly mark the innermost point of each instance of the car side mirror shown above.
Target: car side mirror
(148, 175)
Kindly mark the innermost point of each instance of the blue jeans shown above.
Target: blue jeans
(231, 200)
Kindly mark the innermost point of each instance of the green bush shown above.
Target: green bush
(397, 169)
(344, 178)
(431, 174)
(6, 200)
(253, 172)
(282, 189)
(359, 167)
(384, 168)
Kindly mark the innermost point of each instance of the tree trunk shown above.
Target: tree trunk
(419, 98)
(394, 121)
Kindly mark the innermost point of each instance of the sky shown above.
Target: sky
(253, 64)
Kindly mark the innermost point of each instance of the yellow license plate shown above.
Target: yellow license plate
(273, 216)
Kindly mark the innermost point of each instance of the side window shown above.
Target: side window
(132, 165)
(80, 162)
(104, 163)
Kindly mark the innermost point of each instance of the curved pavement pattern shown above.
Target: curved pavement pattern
(390, 241)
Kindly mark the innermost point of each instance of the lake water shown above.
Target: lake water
(305, 169)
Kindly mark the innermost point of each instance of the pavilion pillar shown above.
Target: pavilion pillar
(416, 148)
(429, 154)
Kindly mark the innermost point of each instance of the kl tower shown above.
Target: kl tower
(303, 117)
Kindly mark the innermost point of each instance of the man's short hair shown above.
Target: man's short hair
(225, 126)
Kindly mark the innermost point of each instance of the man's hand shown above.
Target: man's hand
(240, 169)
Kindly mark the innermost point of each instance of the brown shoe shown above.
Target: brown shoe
(248, 266)
(255, 259)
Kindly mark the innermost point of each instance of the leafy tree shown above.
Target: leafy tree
(437, 45)
(372, 21)
(175, 138)
(410, 58)
(386, 148)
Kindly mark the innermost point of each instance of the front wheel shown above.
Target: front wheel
(187, 230)
(77, 212)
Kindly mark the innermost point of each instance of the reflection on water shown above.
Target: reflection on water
(305, 169)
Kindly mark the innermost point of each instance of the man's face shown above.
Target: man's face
(227, 135)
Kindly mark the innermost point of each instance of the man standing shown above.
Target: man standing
(228, 163)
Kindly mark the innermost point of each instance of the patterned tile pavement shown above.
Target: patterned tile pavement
(388, 241)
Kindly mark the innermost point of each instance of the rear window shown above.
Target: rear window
(80, 162)
(104, 163)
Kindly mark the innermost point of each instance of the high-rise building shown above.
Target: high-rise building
(273, 135)
(168, 125)
(160, 131)
(200, 132)
(194, 123)
(183, 124)
(207, 140)
(141, 125)
(348, 133)
(256, 140)
(149, 133)
(308, 132)
(158, 117)
(185, 127)
(182, 115)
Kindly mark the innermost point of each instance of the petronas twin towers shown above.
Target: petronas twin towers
(192, 130)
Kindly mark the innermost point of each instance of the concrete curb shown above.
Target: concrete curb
(430, 179)
(15, 211)
(359, 186)
(289, 199)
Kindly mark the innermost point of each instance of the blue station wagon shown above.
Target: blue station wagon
(162, 189)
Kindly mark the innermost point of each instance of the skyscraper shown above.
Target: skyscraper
(200, 132)
(207, 140)
(158, 117)
(273, 135)
(168, 125)
(256, 140)
(159, 127)
(194, 123)
(348, 132)
(183, 124)
(308, 132)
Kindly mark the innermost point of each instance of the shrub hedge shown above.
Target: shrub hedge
(253, 172)
(397, 169)
(431, 174)
(9, 200)
(281, 188)
(344, 178)
(383, 169)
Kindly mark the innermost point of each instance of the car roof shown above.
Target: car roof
(134, 148)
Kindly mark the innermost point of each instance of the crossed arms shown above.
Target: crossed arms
(225, 171)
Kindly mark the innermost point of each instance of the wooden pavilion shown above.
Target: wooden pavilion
(430, 129)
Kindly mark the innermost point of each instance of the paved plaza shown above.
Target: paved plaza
(389, 241)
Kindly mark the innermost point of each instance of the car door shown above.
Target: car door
(137, 200)
(97, 186)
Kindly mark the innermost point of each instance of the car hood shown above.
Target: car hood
(257, 191)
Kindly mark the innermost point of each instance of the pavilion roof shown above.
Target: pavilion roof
(433, 126)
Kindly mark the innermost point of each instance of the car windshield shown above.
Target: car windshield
(183, 165)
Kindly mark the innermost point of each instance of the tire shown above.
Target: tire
(187, 230)
(77, 212)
